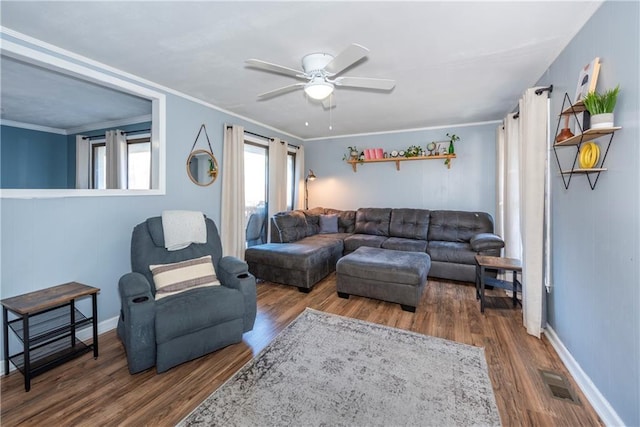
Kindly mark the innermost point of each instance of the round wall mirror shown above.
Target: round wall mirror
(202, 167)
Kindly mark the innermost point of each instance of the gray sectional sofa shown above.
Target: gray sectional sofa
(306, 245)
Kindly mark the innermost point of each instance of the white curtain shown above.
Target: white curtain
(522, 200)
(512, 237)
(298, 201)
(277, 179)
(116, 149)
(232, 227)
(83, 162)
(533, 168)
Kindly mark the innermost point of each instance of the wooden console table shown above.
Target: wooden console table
(46, 323)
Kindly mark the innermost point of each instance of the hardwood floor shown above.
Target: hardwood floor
(102, 392)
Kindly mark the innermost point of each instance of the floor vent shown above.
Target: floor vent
(558, 386)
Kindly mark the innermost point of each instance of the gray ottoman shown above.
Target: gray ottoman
(384, 274)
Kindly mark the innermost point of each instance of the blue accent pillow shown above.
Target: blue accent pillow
(328, 224)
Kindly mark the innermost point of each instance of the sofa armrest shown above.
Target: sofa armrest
(136, 326)
(486, 241)
(234, 273)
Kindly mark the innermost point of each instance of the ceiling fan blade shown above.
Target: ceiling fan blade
(280, 69)
(346, 58)
(280, 91)
(366, 83)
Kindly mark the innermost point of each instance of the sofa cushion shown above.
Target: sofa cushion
(373, 221)
(196, 309)
(455, 252)
(409, 223)
(328, 224)
(402, 244)
(292, 226)
(458, 226)
(313, 220)
(346, 220)
(171, 279)
(355, 241)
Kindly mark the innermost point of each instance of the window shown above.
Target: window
(99, 165)
(291, 176)
(256, 177)
(138, 163)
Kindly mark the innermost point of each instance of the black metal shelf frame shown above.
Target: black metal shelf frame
(571, 109)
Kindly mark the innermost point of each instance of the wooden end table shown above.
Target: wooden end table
(46, 324)
(484, 263)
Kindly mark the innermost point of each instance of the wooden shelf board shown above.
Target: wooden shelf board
(397, 160)
(588, 134)
(578, 107)
(583, 171)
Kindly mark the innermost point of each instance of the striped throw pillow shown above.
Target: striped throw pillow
(170, 279)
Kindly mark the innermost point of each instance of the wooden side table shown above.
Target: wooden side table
(484, 263)
(46, 324)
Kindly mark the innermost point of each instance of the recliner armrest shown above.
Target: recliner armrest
(486, 241)
(134, 284)
(232, 266)
(234, 273)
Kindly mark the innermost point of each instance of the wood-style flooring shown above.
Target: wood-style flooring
(102, 392)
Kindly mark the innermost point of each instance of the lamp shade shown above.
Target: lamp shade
(318, 88)
(311, 176)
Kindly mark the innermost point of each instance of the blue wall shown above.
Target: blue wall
(45, 154)
(428, 184)
(45, 242)
(594, 306)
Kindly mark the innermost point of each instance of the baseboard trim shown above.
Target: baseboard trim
(601, 405)
(84, 334)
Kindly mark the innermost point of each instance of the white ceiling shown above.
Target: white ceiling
(454, 62)
(37, 96)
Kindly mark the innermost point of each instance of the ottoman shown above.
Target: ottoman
(384, 274)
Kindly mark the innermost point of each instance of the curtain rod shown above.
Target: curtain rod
(266, 137)
(125, 132)
(544, 89)
(537, 92)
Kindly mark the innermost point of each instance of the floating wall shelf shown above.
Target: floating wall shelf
(577, 141)
(397, 160)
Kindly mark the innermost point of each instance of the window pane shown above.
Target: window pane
(99, 167)
(139, 165)
(291, 167)
(255, 188)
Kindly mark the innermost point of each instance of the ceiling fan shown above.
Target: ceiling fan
(321, 69)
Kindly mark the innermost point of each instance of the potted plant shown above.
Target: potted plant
(600, 106)
(451, 150)
(452, 138)
(352, 153)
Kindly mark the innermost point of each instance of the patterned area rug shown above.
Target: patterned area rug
(325, 369)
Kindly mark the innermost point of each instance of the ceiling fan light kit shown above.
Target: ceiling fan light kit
(320, 70)
(318, 88)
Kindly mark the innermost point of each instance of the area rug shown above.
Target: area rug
(328, 370)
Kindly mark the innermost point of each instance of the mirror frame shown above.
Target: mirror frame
(215, 162)
(90, 72)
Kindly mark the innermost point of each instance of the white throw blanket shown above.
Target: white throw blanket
(182, 228)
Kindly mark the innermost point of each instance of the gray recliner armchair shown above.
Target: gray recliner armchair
(187, 325)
